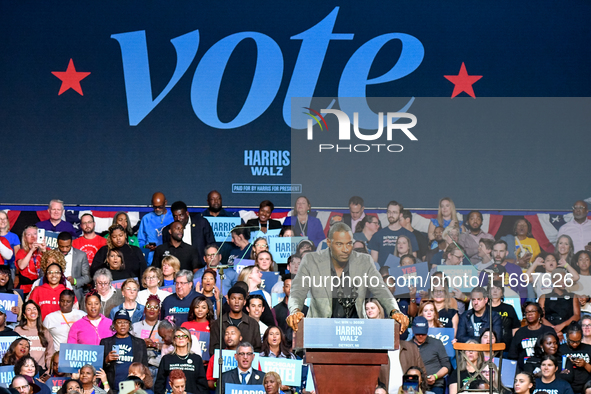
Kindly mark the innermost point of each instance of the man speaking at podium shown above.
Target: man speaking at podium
(339, 279)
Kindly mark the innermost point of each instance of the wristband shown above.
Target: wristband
(565, 265)
(435, 376)
(75, 281)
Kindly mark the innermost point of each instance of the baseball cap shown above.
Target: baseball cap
(420, 325)
(122, 314)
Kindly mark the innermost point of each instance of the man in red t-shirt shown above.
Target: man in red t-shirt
(89, 242)
(6, 251)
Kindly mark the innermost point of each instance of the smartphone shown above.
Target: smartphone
(410, 383)
(152, 244)
(115, 349)
(127, 386)
(40, 235)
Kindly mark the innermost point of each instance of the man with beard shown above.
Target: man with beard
(579, 229)
(197, 230)
(214, 206)
(187, 255)
(149, 235)
(499, 255)
(383, 242)
(332, 276)
(469, 240)
(89, 242)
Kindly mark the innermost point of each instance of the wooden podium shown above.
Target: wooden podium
(346, 354)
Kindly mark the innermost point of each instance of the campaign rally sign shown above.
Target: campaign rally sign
(229, 361)
(268, 280)
(74, 356)
(245, 389)
(516, 304)
(6, 375)
(349, 334)
(283, 247)
(118, 283)
(259, 234)
(222, 226)
(411, 275)
(171, 289)
(5, 343)
(239, 264)
(203, 342)
(461, 277)
(507, 371)
(289, 370)
(445, 335)
(8, 301)
(55, 384)
(276, 298)
(51, 239)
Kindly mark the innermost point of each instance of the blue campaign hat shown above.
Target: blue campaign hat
(122, 314)
(420, 325)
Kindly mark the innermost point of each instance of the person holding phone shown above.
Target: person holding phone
(413, 378)
(121, 350)
(577, 370)
(28, 259)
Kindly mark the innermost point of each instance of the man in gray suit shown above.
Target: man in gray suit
(338, 280)
(77, 268)
(244, 373)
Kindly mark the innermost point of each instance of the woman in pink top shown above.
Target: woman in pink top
(94, 326)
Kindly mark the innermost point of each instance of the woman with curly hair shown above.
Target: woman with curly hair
(31, 327)
(27, 366)
(17, 349)
(135, 262)
(47, 295)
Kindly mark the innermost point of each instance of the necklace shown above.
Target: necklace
(303, 228)
(183, 357)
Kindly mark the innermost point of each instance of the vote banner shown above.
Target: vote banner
(411, 275)
(118, 283)
(222, 226)
(5, 343)
(289, 370)
(229, 361)
(461, 277)
(203, 342)
(6, 375)
(283, 247)
(51, 239)
(55, 384)
(268, 280)
(245, 389)
(240, 264)
(8, 301)
(349, 334)
(445, 335)
(74, 356)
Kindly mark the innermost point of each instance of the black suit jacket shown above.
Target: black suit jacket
(347, 220)
(272, 224)
(201, 235)
(231, 376)
(140, 355)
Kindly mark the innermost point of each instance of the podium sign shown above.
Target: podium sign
(349, 334)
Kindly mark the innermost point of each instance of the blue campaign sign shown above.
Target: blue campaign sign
(375, 334)
(507, 371)
(239, 264)
(244, 389)
(55, 384)
(203, 339)
(276, 298)
(51, 239)
(270, 234)
(8, 301)
(461, 277)
(74, 356)
(445, 335)
(5, 343)
(118, 283)
(411, 275)
(6, 375)
(268, 280)
(229, 361)
(283, 247)
(289, 370)
(222, 226)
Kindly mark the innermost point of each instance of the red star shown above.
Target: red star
(463, 82)
(70, 78)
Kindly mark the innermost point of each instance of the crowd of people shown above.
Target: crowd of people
(147, 292)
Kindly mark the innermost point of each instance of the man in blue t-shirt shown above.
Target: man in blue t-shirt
(383, 243)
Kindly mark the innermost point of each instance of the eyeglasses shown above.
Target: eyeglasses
(262, 246)
(579, 207)
(245, 354)
(151, 277)
(22, 388)
(458, 257)
(439, 292)
(181, 283)
(210, 254)
(153, 307)
(131, 289)
(586, 326)
(573, 342)
(103, 283)
(184, 336)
